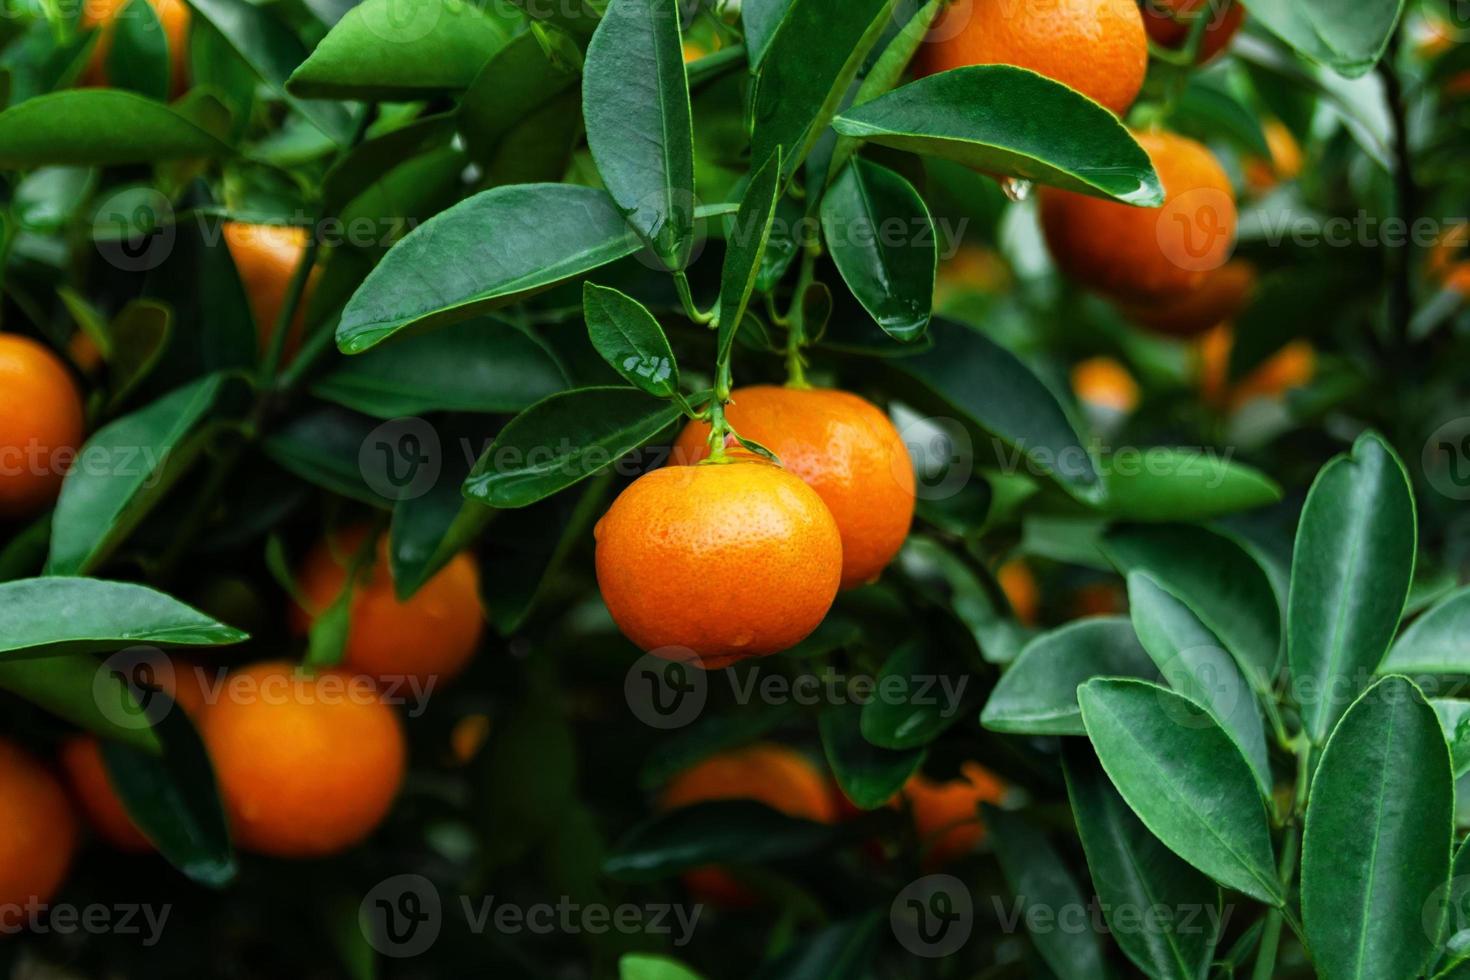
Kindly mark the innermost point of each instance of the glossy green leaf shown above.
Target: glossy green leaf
(760, 18)
(1454, 720)
(1218, 579)
(564, 439)
(481, 365)
(372, 161)
(487, 251)
(1038, 694)
(139, 334)
(868, 775)
(122, 471)
(953, 583)
(82, 690)
(745, 251)
(386, 50)
(1438, 642)
(726, 832)
(630, 339)
(635, 100)
(1135, 874)
(576, 17)
(921, 691)
(640, 966)
(46, 199)
(1376, 848)
(56, 615)
(1350, 576)
(812, 57)
(99, 127)
(1207, 109)
(1348, 38)
(1195, 665)
(968, 115)
(1160, 484)
(431, 529)
(139, 57)
(1041, 881)
(325, 448)
(882, 238)
(970, 374)
(515, 84)
(1185, 779)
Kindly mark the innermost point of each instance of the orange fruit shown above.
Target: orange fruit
(1449, 259)
(1285, 163)
(1104, 383)
(1097, 47)
(771, 774)
(1019, 585)
(38, 835)
(1221, 296)
(718, 562)
(308, 764)
(1097, 599)
(41, 425)
(173, 16)
(430, 637)
(266, 257)
(845, 449)
(1169, 23)
(1293, 366)
(947, 814)
(1147, 253)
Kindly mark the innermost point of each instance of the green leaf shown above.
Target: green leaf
(139, 334)
(1218, 579)
(726, 832)
(970, 374)
(82, 690)
(1134, 872)
(139, 58)
(760, 18)
(273, 51)
(46, 199)
(57, 615)
(577, 17)
(1454, 720)
(98, 127)
(564, 439)
(640, 966)
(868, 775)
(1376, 848)
(1185, 779)
(635, 101)
(951, 583)
(481, 365)
(841, 951)
(1350, 576)
(893, 277)
(1195, 665)
(387, 50)
(489, 250)
(1160, 484)
(373, 160)
(919, 693)
(123, 471)
(529, 775)
(1435, 643)
(1038, 694)
(969, 115)
(807, 66)
(1206, 110)
(325, 448)
(1348, 38)
(516, 83)
(430, 529)
(1040, 880)
(745, 251)
(630, 339)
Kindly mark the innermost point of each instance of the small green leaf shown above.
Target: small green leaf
(138, 335)
(57, 615)
(630, 339)
(518, 82)
(868, 775)
(726, 832)
(745, 251)
(1436, 642)
(968, 115)
(1350, 576)
(387, 50)
(1454, 719)
(920, 693)
(564, 439)
(1348, 39)
(82, 690)
(373, 160)
(635, 100)
(139, 58)
(577, 17)
(98, 127)
(1185, 779)
(640, 966)
(1160, 484)
(1380, 824)
(1038, 694)
(882, 239)
(486, 251)
(760, 18)
(325, 448)
(430, 529)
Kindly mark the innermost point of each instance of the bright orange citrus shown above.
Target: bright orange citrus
(431, 636)
(1293, 366)
(308, 765)
(38, 835)
(41, 423)
(266, 257)
(1449, 259)
(771, 774)
(718, 562)
(1019, 585)
(1169, 22)
(845, 449)
(1097, 47)
(1285, 163)
(173, 16)
(947, 814)
(1105, 383)
(1221, 296)
(1147, 253)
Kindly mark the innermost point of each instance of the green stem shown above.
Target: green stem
(719, 430)
(796, 318)
(686, 297)
(1286, 868)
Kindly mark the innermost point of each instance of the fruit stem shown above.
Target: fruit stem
(719, 430)
(686, 297)
(796, 317)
